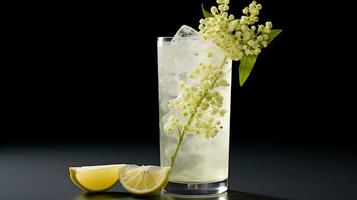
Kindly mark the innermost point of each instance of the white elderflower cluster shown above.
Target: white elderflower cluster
(199, 104)
(237, 37)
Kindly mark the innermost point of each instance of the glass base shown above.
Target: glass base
(197, 188)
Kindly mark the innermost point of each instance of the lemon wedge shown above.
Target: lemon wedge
(144, 180)
(95, 178)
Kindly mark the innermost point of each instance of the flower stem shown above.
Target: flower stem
(181, 134)
(173, 157)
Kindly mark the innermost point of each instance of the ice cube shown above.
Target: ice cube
(170, 86)
(185, 61)
(185, 31)
(181, 76)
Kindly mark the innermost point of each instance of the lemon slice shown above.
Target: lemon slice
(95, 178)
(144, 180)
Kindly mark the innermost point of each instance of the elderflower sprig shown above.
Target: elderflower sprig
(237, 37)
(199, 105)
(241, 38)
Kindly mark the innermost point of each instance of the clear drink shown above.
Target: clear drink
(201, 162)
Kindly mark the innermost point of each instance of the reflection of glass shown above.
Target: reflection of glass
(222, 196)
(230, 195)
(113, 196)
(194, 99)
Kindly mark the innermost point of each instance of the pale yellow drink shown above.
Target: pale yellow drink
(199, 160)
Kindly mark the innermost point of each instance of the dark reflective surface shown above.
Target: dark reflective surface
(230, 195)
(288, 173)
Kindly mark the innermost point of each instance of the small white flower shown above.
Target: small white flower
(264, 43)
(246, 10)
(259, 6)
(225, 8)
(269, 25)
(214, 10)
(231, 17)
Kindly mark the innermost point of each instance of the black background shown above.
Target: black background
(90, 69)
(80, 74)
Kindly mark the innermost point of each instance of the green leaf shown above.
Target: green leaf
(245, 67)
(247, 62)
(205, 13)
(273, 33)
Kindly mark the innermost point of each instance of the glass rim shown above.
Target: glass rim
(164, 37)
(169, 38)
